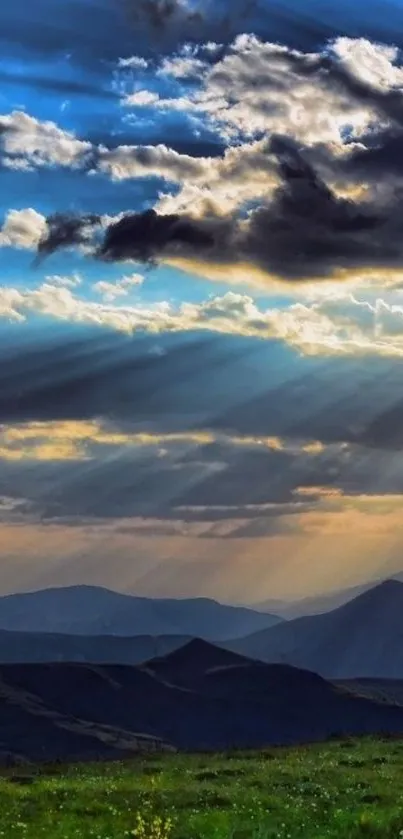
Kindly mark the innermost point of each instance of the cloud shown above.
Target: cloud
(179, 22)
(83, 440)
(302, 232)
(144, 236)
(221, 485)
(287, 205)
(374, 64)
(208, 381)
(334, 324)
(23, 229)
(121, 288)
(68, 282)
(142, 161)
(262, 86)
(29, 143)
(66, 230)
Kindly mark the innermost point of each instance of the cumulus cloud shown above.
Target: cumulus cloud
(284, 202)
(142, 161)
(336, 324)
(29, 143)
(259, 86)
(22, 229)
(121, 288)
(302, 231)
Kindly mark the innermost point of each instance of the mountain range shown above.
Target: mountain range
(362, 638)
(92, 610)
(42, 647)
(196, 698)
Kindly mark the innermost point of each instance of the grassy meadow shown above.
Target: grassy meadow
(339, 789)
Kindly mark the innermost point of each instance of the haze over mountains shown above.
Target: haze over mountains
(364, 637)
(315, 605)
(92, 610)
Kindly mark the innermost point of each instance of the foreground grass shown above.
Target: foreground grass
(340, 789)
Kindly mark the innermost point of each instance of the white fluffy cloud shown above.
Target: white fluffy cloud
(265, 87)
(121, 288)
(143, 161)
(256, 90)
(70, 282)
(374, 64)
(338, 324)
(29, 143)
(22, 229)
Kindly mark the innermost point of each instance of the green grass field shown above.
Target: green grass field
(346, 789)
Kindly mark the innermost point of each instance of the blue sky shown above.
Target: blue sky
(210, 392)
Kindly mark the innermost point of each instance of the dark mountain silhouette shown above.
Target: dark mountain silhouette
(362, 638)
(224, 702)
(37, 647)
(189, 664)
(91, 610)
(389, 691)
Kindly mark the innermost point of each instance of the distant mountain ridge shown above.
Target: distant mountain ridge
(314, 605)
(92, 610)
(319, 603)
(362, 638)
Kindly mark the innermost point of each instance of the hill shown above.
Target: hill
(41, 647)
(32, 730)
(221, 703)
(188, 665)
(362, 638)
(92, 610)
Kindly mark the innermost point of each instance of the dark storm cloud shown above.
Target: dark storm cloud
(144, 236)
(381, 157)
(65, 230)
(304, 231)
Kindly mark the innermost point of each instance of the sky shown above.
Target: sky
(201, 298)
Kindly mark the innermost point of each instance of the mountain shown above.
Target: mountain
(189, 664)
(91, 610)
(312, 605)
(41, 647)
(362, 638)
(197, 698)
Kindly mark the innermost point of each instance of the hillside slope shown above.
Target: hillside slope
(224, 702)
(363, 638)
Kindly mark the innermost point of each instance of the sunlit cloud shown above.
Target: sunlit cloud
(339, 324)
(78, 440)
